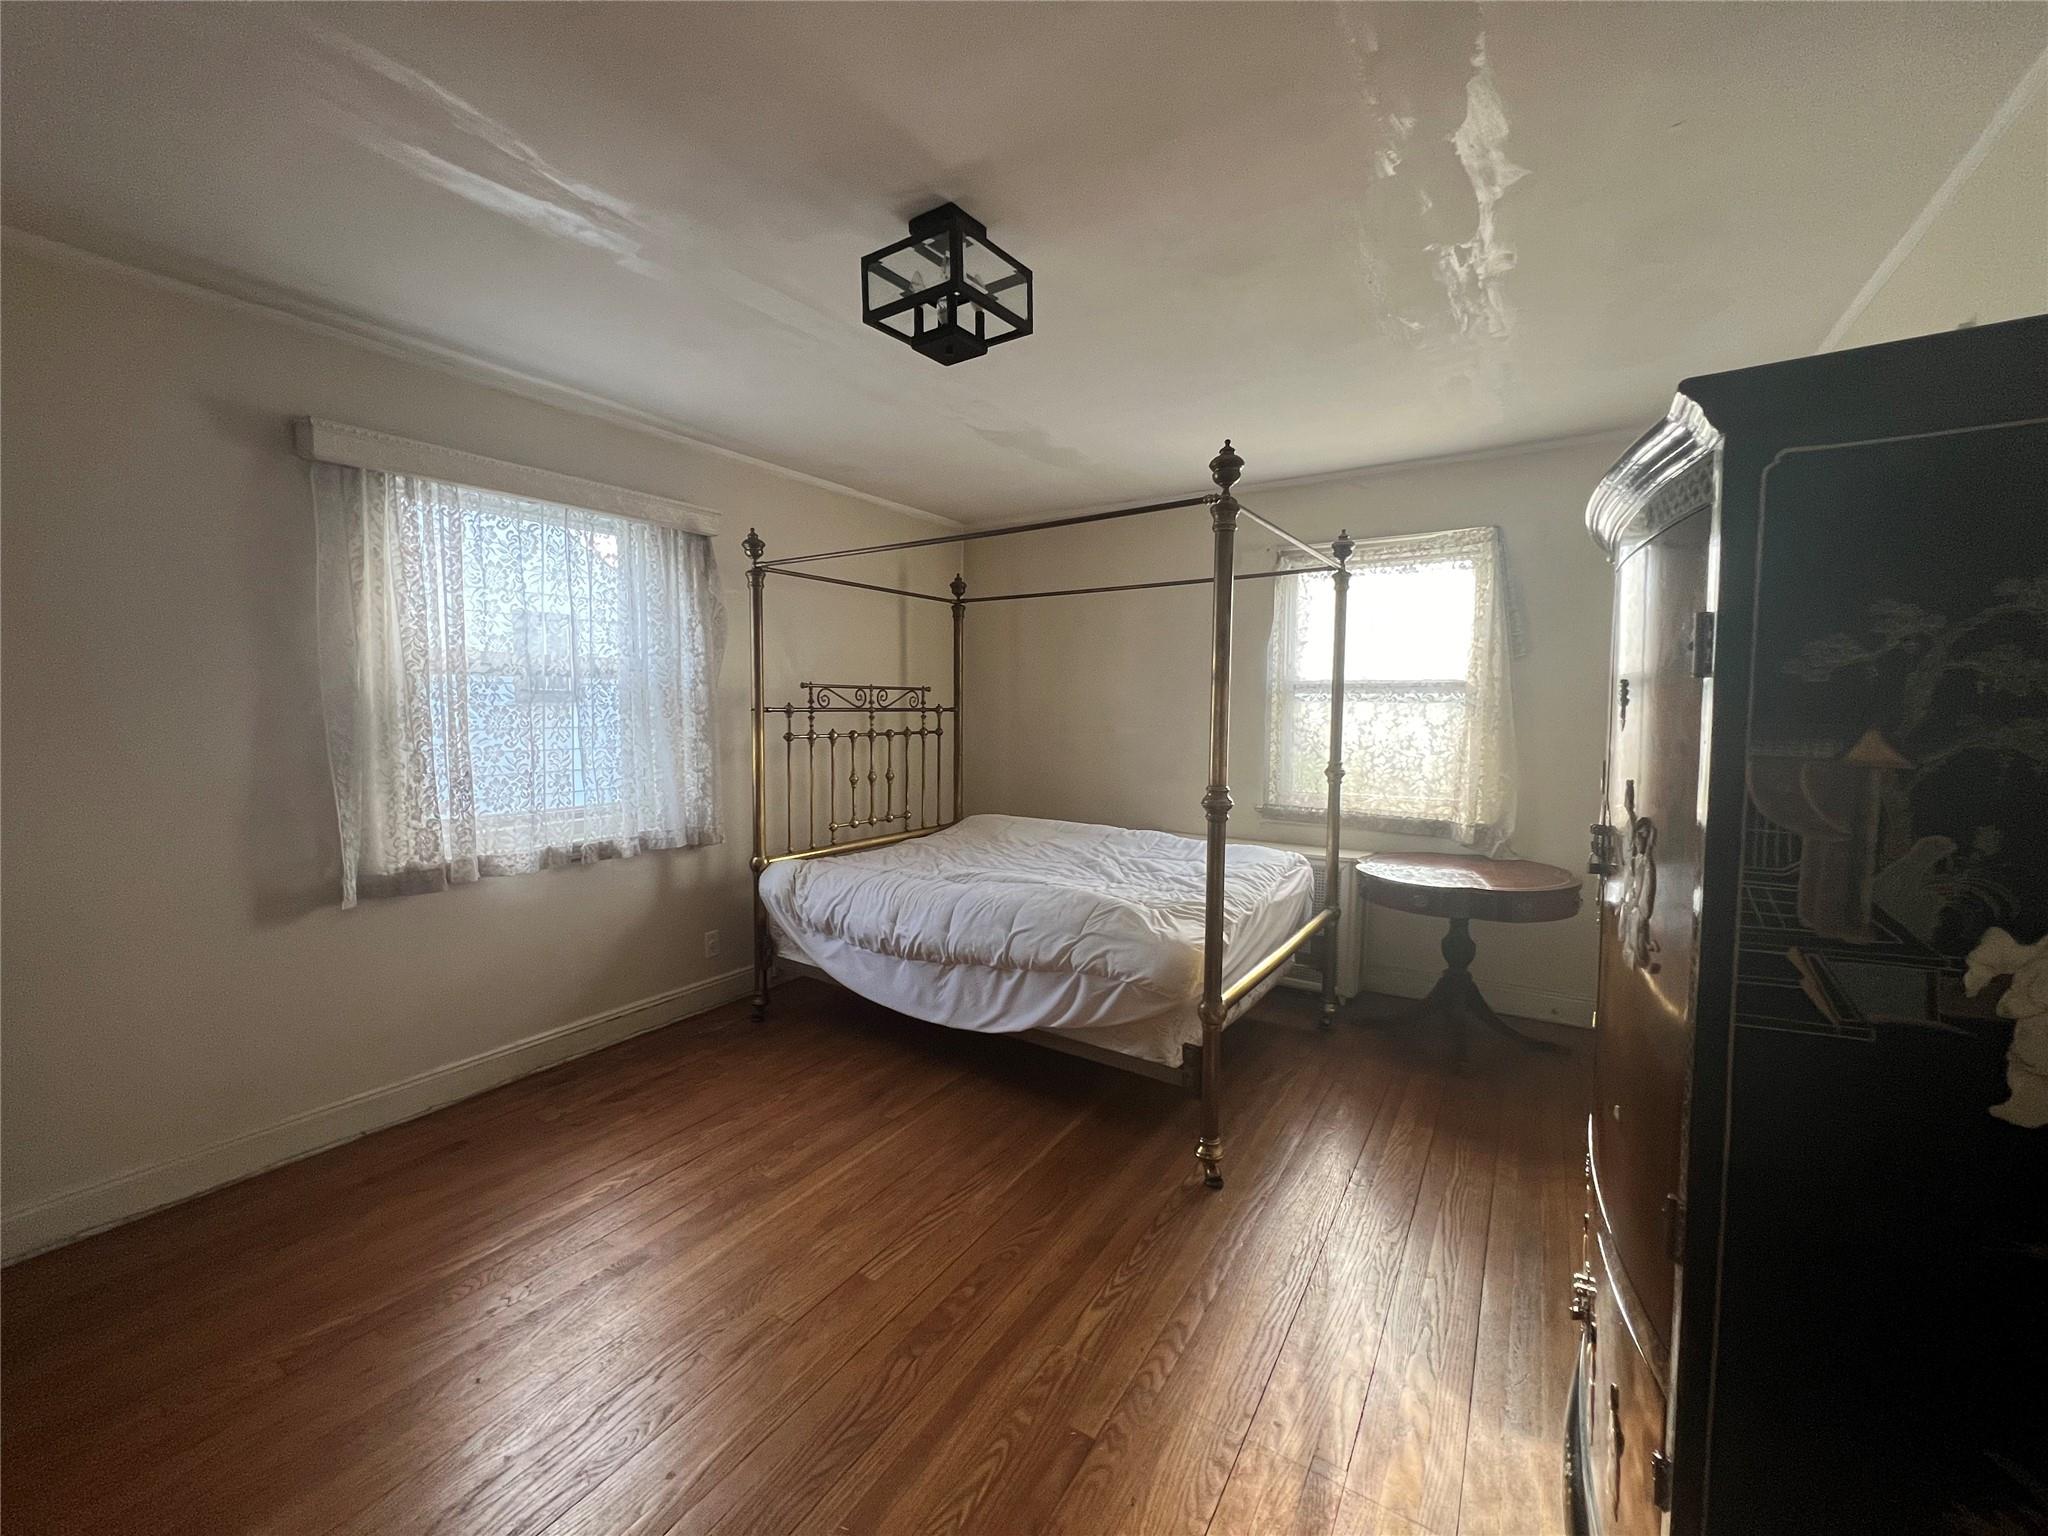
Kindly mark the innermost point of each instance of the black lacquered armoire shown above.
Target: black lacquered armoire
(1815, 1296)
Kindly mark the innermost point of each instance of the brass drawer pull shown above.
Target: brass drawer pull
(1584, 1289)
(1601, 859)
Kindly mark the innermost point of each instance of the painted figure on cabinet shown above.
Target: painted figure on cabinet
(2025, 1002)
(1899, 764)
(1892, 970)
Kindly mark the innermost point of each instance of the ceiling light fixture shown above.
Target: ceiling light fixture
(947, 291)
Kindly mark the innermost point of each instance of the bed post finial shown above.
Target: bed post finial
(1226, 467)
(753, 546)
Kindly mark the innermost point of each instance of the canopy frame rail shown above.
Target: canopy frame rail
(938, 775)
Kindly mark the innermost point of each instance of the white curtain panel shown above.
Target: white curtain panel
(509, 684)
(1429, 734)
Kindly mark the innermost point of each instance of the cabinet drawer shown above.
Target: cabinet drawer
(1618, 1409)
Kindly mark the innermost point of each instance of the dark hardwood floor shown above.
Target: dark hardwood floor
(842, 1273)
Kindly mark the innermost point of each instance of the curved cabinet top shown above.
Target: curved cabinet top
(1966, 377)
(1666, 473)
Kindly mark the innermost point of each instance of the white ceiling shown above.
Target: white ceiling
(1344, 235)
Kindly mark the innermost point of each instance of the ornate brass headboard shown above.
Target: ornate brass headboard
(884, 773)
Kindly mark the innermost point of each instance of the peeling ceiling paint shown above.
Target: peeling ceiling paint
(1472, 269)
(1344, 234)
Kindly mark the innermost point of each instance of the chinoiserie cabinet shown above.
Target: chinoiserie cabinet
(1815, 1290)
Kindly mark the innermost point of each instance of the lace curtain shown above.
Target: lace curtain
(509, 684)
(1429, 738)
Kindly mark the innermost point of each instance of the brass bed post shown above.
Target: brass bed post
(958, 587)
(1224, 470)
(1333, 898)
(757, 581)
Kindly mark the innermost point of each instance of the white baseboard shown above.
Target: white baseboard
(1522, 1002)
(89, 1208)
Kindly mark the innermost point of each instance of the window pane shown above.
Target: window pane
(543, 634)
(1409, 623)
(1395, 760)
(533, 679)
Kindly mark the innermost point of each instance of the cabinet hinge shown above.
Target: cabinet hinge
(1703, 644)
(1674, 1229)
(1660, 1480)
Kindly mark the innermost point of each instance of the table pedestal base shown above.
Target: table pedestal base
(1456, 997)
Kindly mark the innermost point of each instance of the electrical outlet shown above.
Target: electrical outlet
(710, 943)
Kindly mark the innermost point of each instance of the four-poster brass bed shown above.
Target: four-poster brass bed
(903, 760)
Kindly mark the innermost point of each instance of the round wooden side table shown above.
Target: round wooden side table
(1460, 887)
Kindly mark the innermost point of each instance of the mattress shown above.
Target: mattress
(1008, 923)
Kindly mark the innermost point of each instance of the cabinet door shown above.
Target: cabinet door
(1648, 930)
(1621, 1414)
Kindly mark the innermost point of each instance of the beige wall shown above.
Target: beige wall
(1096, 708)
(184, 1000)
(1984, 256)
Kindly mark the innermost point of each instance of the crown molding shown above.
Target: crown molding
(246, 296)
(1629, 430)
(1620, 435)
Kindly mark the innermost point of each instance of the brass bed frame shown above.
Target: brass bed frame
(901, 725)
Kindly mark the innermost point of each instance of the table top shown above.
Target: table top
(1466, 885)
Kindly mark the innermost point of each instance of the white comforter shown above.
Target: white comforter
(1008, 923)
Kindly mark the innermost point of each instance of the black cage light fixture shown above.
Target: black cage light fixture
(948, 290)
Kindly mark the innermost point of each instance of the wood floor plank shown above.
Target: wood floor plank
(1124, 1320)
(693, 1291)
(980, 1456)
(1042, 1309)
(845, 1274)
(1163, 1452)
(467, 1192)
(510, 1343)
(1409, 1453)
(1033, 1252)
(1526, 1336)
(159, 1255)
(1268, 1495)
(398, 1311)
(769, 1456)
(600, 1421)
(946, 1478)
(1315, 1395)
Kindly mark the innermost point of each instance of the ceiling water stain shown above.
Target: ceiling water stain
(1471, 269)
(1426, 228)
(402, 115)
(478, 158)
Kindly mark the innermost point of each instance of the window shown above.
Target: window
(509, 683)
(1428, 728)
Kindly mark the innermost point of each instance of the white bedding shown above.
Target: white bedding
(1009, 923)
